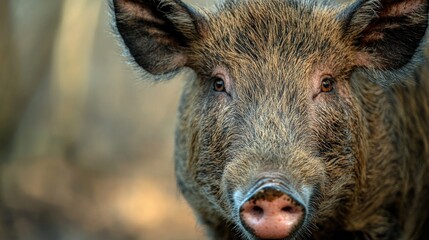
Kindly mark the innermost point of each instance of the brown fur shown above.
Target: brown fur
(362, 149)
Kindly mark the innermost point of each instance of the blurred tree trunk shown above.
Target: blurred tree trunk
(27, 31)
(8, 85)
(9, 80)
(70, 77)
(26, 37)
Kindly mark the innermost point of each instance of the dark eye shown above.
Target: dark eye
(327, 84)
(218, 84)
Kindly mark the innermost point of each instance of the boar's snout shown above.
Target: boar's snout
(272, 210)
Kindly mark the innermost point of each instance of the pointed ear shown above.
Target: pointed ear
(387, 35)
(158, 33)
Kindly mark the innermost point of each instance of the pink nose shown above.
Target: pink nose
(271, 214)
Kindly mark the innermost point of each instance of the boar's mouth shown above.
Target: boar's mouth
(273, 209)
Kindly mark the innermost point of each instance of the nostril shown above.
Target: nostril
(288, 209)
(257, 212)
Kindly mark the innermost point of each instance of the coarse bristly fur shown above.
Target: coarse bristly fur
(335, 99)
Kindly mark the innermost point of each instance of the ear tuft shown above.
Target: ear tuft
(387, 34)
(158, 33)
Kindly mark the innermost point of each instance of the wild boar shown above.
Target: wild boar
(303, 120)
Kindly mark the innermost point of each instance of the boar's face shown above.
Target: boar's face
(272, 106)
(272, 100)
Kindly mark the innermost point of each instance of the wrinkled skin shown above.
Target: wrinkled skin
(334, 100)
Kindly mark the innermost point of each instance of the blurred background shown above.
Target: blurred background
(86, 147)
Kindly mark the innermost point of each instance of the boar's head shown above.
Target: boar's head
(280, 120)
